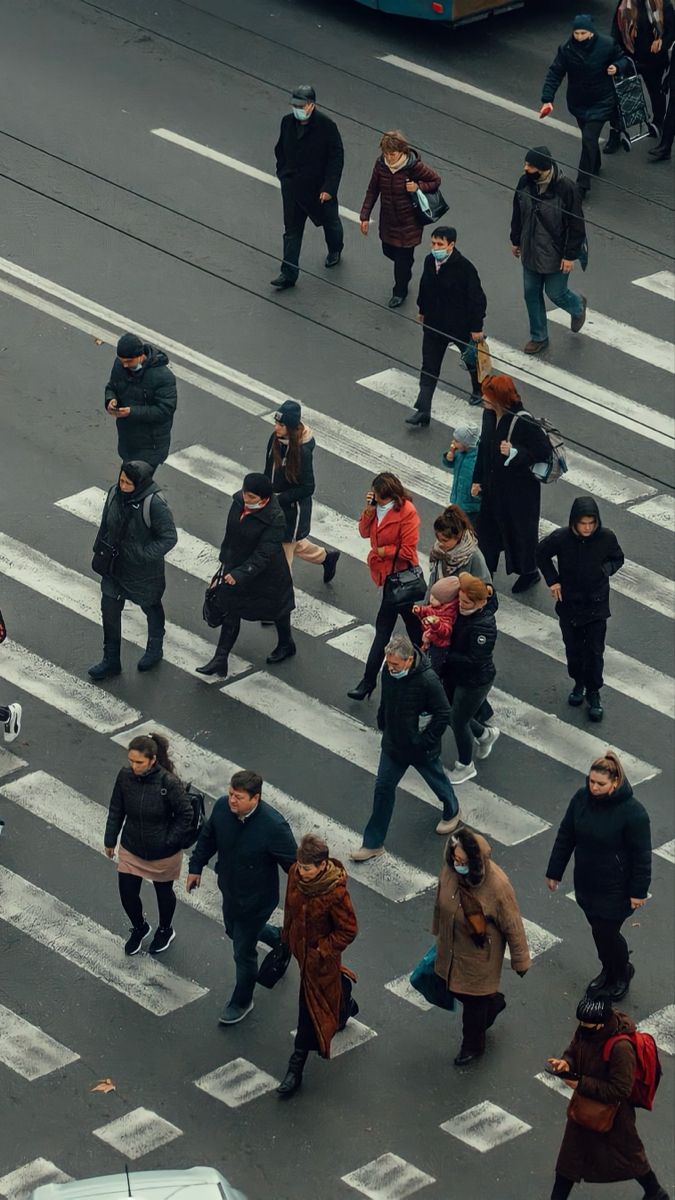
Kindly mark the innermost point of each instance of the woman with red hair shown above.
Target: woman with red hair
(510, 444)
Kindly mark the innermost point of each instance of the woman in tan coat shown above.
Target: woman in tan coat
(476, 915)
(319, 923)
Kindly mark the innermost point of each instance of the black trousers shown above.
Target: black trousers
(4, 714)
(130, 895)
(295, 219)
(229, 632)
(111, 612)
(385, 623)
(402, 258)
(585, 650)
(591, 159)
(610, 944)
(478, 1014)
(649, 1184)
(653, 72)
(434, 346)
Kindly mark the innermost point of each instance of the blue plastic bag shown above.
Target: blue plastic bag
(430, 985)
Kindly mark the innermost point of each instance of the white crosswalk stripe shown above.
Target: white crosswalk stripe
(635, 342)
(137, 1133)
(659, 509)
(237, 1082)
(29, 1051)
(9, 762)
(662, 283)
(65, 692)
(20, 1183)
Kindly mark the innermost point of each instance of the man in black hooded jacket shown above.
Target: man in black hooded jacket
(141, 396)
(587, 556)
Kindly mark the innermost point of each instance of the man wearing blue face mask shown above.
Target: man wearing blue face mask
(310, 159)
(141, 396)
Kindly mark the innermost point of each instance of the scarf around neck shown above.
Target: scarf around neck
(334, 874)
(401, 161)
(627, 20)
(473, 911)
(453, 560)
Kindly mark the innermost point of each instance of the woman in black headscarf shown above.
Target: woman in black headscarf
(136, 533)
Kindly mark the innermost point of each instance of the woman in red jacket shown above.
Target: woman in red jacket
(391, 522)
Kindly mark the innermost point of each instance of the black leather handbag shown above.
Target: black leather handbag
(212, 608)
(274, 965)
(438, 206)
(105, 553)
(406, 587)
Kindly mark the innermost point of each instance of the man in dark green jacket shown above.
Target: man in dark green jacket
(141, 396)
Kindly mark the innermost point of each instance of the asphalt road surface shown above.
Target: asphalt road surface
(108, 225)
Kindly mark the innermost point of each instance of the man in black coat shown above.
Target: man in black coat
(587, 556)
(252, 840)
(452, 307)
(310, 158)
(141, 396)
(548, 235)
(255, 583)
(413, 716)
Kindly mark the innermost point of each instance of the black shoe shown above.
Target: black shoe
(466, 1056)
(216, 666)
(396, 301)
(598, 984)
(281, 282)
(475, 399)
(162, 940)
(659, 153)
(362, 691)
(613, 142)
(330, 563)
(576, 696)
(523, 582)
(109, 665)
(617, 990)
(134, 943)
(153, 654)
(233, 1013)
(577, 323)
(595, 710)
(293, 1077)
(332, 258)
(418, 418)
(281, 652)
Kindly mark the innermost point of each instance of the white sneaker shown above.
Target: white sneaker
(487, 740)
(12, 726)
(461, 772)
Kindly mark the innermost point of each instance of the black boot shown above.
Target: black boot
(362, 691)
(476, 396)
(613, 142)
(153, 654)
(576, 696)
(660, 153)
(418, 418)
(215, 666)
(281, 651)
(293, 1077)
(595, 709)
(616, 989)
(598, 984)
(110, 663)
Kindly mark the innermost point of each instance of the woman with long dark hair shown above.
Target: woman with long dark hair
(391, 522)
(455, 547)
(151, 811)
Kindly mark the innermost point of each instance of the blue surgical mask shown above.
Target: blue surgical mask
(461, 868)
(138, 367)
(399, 674)
(300, 114)
(252, 507)
(440, 255)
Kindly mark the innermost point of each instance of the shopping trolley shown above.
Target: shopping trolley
(632, 117)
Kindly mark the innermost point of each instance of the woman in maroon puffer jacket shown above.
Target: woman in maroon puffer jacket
(397, 174)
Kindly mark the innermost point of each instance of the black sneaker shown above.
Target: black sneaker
(576, 696)
(233, 1013)
(161, 941)
(595, 709)
(330, 565)
(138, 936)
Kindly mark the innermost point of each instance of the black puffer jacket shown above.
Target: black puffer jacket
(152, 811)
(547, 226)
(611, 841)
(295, 498)
(151, 395)
(139, 568)
(414, 713)
(585, 565)
(452, 299)
(252, 552)
(469, 660)
(590, 91)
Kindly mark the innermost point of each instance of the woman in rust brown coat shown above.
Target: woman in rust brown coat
(319, 923)
(617, 1154)
(476, 915)
(397, 174)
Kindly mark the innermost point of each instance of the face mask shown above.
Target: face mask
(252, 507)
(462, 868)
(440, 255)
(300, 114)
(138, 367)
(399, 674)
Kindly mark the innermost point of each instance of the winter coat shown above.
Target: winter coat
(646, 34)
(547, 226)
(462, 467)
(610, 838)
(467, 968)
(310, 158)
(584, 565)
(151, 395)
(250, 853)
(590, 91)
(295, 498)
(413, 714)
(317, 928)
(398, 533)
(138, 571)
(619, 1153)
(510, 494)
(252, 552)
(152, 811)
(440, 632)
(469, 660)
(399, 223)
(475, 565)
(451, 298)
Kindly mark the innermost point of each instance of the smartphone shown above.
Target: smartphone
(560, 1074)
(373, 502)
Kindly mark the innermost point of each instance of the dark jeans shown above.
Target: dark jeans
(295, 219)
(389, 775)
(4, 714)
(245, 934)
(585, 650)
(610, 944)
(229, 632)
(385, 622)
(591, 159)
(556, 284)
(402, 258)
(434, 346)
(111, 611)
(478, 1014)
(466, 704)
(130, 895)
(649, 1184)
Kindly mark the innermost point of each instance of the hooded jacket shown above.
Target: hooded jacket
(151, 395)
(295, 498)
(399, 223)
(252, 552)
(138, 573)
(152, 811)
(585, 565)
(590, 91)
(547, 226)
(610, 838)
(413, 714)
(451, 299)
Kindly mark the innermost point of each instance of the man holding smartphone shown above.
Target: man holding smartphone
(141, 396)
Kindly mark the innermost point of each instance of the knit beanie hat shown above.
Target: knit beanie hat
(468, 435)
(257, 484)
(130, 346)
(595, 1010)
(446, 589)
(539, 157)
(289, 414)
(584, 21)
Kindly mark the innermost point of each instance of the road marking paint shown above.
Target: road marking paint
(237, 1082)
(539, 939)
(584, 473)
(9, 763)
(657, 352)
(235, 164)
(662, 283)
(660, 510)
(65, 692)
(661, 1025)
(389, 875)
(556, 1085)
(402, 987)
(354, 1034)
(91, 948)
(388, 1178)
(137, 1133)
(667, 851)
(485, 1126)
(29, 1051)
(468, 89)
(20, 1184)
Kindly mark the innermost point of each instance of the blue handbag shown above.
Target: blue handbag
(430, 985)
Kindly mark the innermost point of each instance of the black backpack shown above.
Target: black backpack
(196, 799)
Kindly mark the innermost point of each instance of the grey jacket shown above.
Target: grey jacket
(548, 226)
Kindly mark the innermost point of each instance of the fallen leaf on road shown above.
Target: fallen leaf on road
(98, 342)
(103, 1085)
